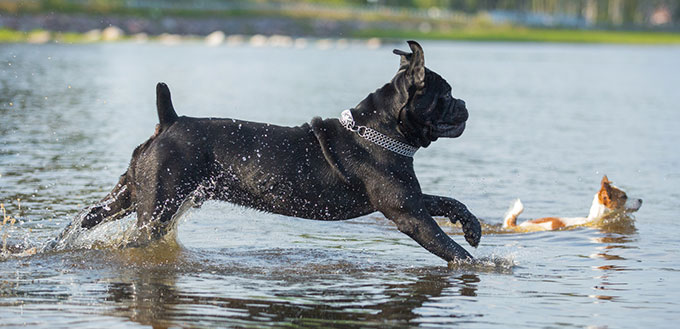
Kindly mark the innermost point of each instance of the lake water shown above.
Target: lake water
(546, 122)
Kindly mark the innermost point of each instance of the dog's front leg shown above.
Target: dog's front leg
(422, 228)
(456, 211)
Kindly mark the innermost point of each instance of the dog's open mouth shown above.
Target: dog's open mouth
(450, 130)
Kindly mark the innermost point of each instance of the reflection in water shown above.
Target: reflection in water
(469, 285)
(618, 229)
(147, 296)
(148, 291)
(151, 296)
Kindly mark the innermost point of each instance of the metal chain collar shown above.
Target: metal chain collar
(376, 137)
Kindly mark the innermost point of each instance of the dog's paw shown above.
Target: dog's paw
(473, 231)
(472, 228)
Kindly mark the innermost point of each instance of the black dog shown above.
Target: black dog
(327, 170)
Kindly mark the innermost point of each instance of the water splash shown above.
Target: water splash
(615, 222)
(115, 234)
(5, 219)
(488, 264)
(8, 230)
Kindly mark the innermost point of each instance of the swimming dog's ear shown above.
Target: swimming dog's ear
(604, 195)
(605, 180)
(605, 190)
(413, 63)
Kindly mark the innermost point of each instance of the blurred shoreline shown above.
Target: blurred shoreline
(83, 25)
(370, 37)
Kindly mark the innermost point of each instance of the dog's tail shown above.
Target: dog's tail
(510, 218)
(166, 113)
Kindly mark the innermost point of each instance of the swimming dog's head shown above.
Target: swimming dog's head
(612, 198)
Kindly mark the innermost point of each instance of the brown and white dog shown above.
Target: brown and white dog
(609, 198)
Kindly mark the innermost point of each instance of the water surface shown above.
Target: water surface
(546, 122)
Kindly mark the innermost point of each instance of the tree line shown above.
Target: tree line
(593, 12)
(600, 13)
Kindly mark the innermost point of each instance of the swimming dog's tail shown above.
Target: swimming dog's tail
(510, 218)
(166, 113)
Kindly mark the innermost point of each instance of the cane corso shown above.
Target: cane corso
(331, 169)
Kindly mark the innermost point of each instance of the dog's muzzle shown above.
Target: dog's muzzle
(454, 120)
(632, 204)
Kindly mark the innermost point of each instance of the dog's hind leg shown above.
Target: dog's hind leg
(165, 190)
(156, 217)
(117, 204)
(456, 212)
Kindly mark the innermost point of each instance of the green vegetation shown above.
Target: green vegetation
(41, 36)
(7, 35)
(620, 13)
(499, 34)
(514, 34)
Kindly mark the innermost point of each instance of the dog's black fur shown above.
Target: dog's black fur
(318, 171)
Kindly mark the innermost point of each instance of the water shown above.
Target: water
(546, 122)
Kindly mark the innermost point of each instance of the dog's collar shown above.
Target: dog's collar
(376, 137)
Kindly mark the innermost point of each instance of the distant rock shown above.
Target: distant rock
(280, 41)
(170, 39)
(324, 44)
(258, 40)
(300, 43)
(112, 33)
(140, 37)
(373, 43)
(215, 39)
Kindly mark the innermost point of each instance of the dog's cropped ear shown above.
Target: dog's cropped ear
(405, 57)
(413, 63)
(417, 64)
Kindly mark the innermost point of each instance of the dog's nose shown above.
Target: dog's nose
(460, 103)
